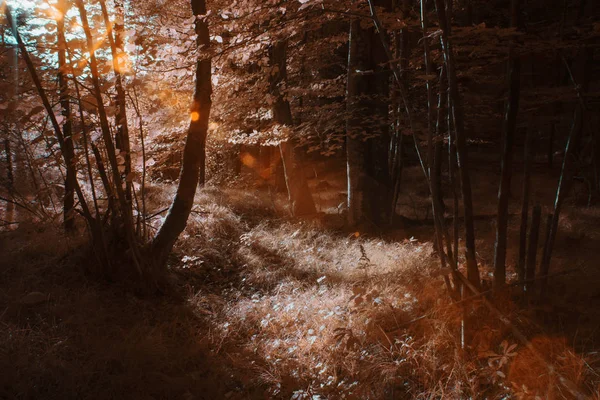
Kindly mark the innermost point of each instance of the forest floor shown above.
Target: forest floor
(268, 307)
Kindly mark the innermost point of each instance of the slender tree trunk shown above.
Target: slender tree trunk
(125, 210)
(42, 93)
(195, 146)
(534, 233)
(300, 198)
(550, 152)
(354, 145)
(10, 181)
(122, 142)
(433, 175)
(528, 157)
(580, 81)
(545, 250)
(438, 162)
(396, 156)
(370, 79)
(452, 155)
(461, 147)
(510, 126)
(70, 181)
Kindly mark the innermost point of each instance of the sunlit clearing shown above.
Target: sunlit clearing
(195, 116)
(248, 160)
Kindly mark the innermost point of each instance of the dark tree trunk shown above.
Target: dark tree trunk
(367, 130)
(300, 198)
(195, 147)
(355, 158)
(438, 162)
(434, 174)
(580, 81)
(122, 143)
(596, 163)
(445, 114)
(547, 244)
(70, 181)
(124, 208)
(529, 154)
(534, 233)
(461, 147)
(396, 153)
(510, 126)
(10, 181)
(551, 146)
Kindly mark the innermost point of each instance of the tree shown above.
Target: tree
(299, 195)
(461, 145)
(370, 189)
(192, 167)
(70, 180)
(510, 126)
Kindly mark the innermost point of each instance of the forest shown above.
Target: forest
(299, 199)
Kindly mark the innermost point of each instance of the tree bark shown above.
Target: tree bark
(534, 233)
(581, 82)
(510, 126)
(528, 155)
(195, 146)
(461, 147)
(10, 181)
(550, 149)
(299, 195)
(433, 177)
(367, 125)
(69, 153)
(122, 143)
(354, 146)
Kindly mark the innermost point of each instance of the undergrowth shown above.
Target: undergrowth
(309, 312)
(266, 308)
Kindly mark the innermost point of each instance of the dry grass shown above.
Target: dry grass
(310, 312)
(268, 309)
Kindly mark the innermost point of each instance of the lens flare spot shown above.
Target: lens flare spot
(195, 116)
(248, 160)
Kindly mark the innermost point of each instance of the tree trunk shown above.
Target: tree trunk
(300, 198)
(529, 154)
(194, 152)
(510, 126)
(367, 127)
(124, 206)
(396, 153)
(433, 177)
(69, 153)
(354, 145)
(122, 143)
(547, 244)
(461, 147)
(42, 93)
(581, 83)
(10, 182)
(534, 233)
